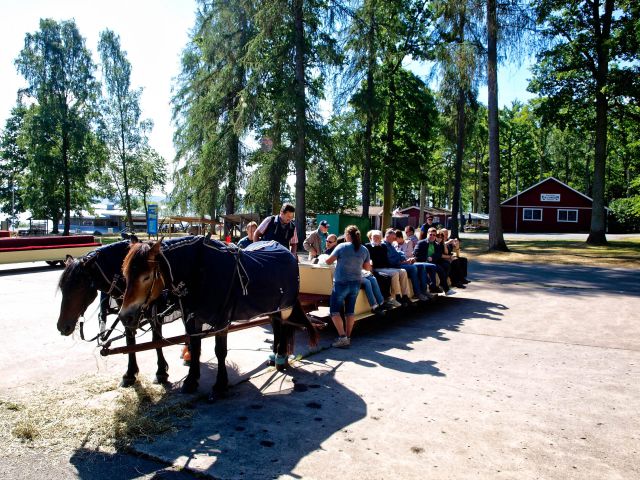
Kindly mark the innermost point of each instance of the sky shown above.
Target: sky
(153, 33)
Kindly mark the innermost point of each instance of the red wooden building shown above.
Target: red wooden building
(440, 215)
(549, 206)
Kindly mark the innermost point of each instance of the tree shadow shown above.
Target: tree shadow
(562, 279)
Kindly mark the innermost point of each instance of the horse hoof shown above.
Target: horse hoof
(281, 362)
(127, 382)
(161, 380)
(189, 387)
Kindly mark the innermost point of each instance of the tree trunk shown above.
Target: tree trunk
(66, 181)
(460, 125)
(423, 202)
(389, 157)
(366, 169)
(300, 161)
(125, 176)
(232, 178)
(278, 166)
(496, 236)
(597, 233)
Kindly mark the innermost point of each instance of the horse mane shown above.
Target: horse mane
(136, 258)
(70, 272)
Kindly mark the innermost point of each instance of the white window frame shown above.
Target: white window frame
(531, 219)
(567, 210)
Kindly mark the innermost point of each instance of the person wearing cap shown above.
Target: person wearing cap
(316, 242)
(426, 226)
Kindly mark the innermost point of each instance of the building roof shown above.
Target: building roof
(543, 181)
(431, 210)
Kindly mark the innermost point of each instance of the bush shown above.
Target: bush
(625, 215)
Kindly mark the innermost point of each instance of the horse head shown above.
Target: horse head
(78, 292)
(144, 279)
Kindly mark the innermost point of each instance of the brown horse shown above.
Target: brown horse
(80, 282)
(218, 284)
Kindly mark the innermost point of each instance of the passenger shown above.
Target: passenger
(402, 245)
(445, 260)
(373, 292)
(351, 258)
(316, 242)
(247, 240)
(280, 228)
(458, 272)
(410, 234)
(332, 242)
(399, 260)
(429, 251)
(399, 289)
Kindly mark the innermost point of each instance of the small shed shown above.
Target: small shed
(339, 221)
(440, 215)
(549, 206)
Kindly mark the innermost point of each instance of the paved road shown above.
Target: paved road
(531, 372)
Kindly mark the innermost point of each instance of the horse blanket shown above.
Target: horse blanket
(223, 283)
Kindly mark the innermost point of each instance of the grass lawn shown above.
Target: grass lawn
(618, 253)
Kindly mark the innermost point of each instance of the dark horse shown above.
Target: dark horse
(80, 282)
(218, 284)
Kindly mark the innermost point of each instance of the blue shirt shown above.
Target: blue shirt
(349, 262)
(395, 257)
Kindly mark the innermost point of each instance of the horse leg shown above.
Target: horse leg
(281, 333)
(222, 378)
(162, 374)
(129, 378)
(190, 384)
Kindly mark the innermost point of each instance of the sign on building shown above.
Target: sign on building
(549, 197)
(152, 219)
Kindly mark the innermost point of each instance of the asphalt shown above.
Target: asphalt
(530, 372)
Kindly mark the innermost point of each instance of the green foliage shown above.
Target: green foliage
(625, 214)
(58, 127)
(13, 162)
(123, 132)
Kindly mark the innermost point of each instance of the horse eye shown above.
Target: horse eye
(146, 278)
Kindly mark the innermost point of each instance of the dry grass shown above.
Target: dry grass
(92, 413)
(620, 253)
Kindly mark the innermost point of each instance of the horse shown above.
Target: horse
(219, 283)
(80, 282)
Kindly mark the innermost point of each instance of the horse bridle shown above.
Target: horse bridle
(156, 274)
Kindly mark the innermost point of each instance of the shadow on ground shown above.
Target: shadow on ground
(266, 425)
(579, 280)
(122, 466)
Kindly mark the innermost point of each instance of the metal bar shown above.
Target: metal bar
(180, 339)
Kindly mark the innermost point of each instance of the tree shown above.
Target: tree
(459, 60)
(59, 72)
(124, 132)
(496, 238)
(148, 171)
(589, 61)
(208, 107)
(13, 162)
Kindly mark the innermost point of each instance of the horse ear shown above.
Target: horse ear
(68, 260)
(134, 238)
(155, 248)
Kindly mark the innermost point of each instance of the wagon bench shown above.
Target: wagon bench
(51, 249)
